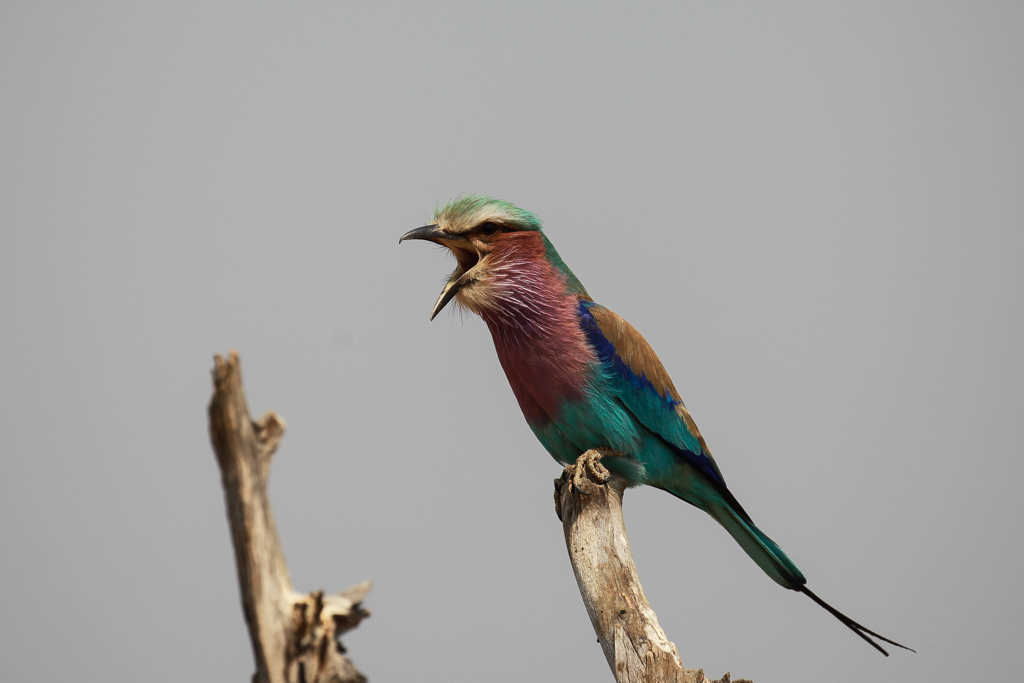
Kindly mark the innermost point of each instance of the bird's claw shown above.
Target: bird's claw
(588, 473)
(585, 476)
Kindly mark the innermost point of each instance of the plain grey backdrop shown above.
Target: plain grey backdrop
(813, 212)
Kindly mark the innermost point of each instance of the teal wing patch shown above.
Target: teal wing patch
(644, 386)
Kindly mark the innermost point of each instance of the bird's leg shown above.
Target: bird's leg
(585, 475)
(588, 473)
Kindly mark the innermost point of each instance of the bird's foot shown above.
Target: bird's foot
(586, 475)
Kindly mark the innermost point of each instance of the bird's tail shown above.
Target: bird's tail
(770, 558)
(861, 631)
(761, 549)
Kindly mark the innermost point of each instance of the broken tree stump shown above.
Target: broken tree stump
(294, 636)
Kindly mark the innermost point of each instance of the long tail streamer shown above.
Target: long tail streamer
(861, 631)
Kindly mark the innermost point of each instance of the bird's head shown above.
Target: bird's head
(491, 240)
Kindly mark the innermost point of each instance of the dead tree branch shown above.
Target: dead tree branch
(294, 636)
(588, 500)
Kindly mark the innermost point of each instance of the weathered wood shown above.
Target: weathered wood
(588, 500)
(294, 636)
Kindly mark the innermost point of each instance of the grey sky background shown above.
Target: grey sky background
(814, 213)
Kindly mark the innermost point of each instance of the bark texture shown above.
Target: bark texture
(588, 500)
(294, 636)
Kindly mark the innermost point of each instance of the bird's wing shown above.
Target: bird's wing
(644, 387)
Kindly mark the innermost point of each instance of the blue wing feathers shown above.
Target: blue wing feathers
(609, 356)
(657, 411)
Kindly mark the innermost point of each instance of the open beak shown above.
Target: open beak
(427, 232)
(461, 277)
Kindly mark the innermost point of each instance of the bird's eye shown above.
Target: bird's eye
(489, 229)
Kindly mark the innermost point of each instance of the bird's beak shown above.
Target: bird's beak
(427, 232)
(459, 279)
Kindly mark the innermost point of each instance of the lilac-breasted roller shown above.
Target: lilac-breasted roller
(584, 377)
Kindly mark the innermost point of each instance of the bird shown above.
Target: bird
(585, 378)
